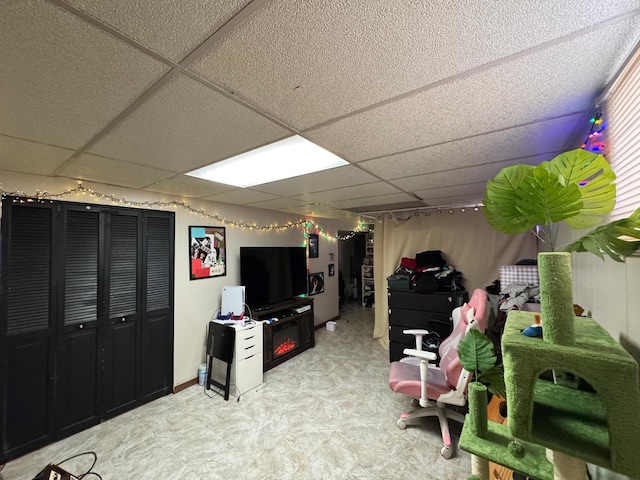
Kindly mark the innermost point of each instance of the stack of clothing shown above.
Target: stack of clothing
(428, 272)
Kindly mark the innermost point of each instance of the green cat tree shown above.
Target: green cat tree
(553, 429)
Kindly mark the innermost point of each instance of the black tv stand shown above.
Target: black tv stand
(287, 317)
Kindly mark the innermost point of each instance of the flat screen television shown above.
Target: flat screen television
(272, 275)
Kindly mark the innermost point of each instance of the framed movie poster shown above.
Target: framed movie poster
(313, 245)
(316, 283)
(207, 252)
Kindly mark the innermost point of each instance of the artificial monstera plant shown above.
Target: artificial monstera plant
(477, 355)
(576, 188)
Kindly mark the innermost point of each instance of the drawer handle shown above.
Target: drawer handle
(250, 346)
(249, 338)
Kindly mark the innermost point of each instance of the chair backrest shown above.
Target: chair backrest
(471, 315)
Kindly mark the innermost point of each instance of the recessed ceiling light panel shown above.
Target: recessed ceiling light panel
(291, 157)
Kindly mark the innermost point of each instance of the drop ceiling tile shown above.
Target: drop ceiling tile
(185, 186)
(546, 137)
(374, 201)
(319, 181)
(62, 80)
(334, 214)
(434, 195)
(171, 28)
(309, 209)
(453, 200)
(356, 191)
(277, 204)
(112, 171)
(185, 125)
(30, 157)
(544, 84)
(328, 213)
(320, 60)
(460, 176)
(241, 196)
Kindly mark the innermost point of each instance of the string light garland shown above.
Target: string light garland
(595, 139)
(308, 226)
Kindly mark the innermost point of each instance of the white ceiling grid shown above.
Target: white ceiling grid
(426, 101)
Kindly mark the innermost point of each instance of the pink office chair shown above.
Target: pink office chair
(433, 388)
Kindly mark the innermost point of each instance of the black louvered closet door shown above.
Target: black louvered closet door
(26, 333)
(86, 318)
(78, 347)
(157, 333)
(122, 343)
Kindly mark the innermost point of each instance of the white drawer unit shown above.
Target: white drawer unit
(247, 364)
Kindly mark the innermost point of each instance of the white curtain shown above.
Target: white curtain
(467, 243)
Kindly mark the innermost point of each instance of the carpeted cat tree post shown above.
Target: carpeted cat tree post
(554, 428)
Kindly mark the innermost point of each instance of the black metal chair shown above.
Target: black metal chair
(221, 341)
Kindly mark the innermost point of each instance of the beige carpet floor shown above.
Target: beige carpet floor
(326, 414)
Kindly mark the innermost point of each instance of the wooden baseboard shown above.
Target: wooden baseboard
(182, 386)
(323, 324)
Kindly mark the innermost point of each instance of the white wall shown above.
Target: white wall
(609, 290)
(197, 300)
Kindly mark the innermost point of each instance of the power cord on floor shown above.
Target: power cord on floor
(88, 472)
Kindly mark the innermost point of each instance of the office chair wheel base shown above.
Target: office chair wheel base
(401, 424)
(446, 452)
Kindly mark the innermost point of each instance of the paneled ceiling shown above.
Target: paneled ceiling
(425, 100)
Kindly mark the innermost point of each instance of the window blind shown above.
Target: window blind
(622, 108)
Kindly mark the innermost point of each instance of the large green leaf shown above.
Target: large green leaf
(605, 239)
(494, 380)
(598, 192)
(544, 200)
(501, 197)
(476, 353)
(522, 196)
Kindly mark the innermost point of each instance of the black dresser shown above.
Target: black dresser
(430, 311)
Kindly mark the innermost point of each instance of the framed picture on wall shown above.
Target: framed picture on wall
(332, 270)
(316, 283)
(313, 245)
(207, 252)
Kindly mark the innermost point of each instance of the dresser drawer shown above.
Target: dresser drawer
(417, 319)
(442, 302)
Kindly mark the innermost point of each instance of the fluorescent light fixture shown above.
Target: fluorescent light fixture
(287, 158)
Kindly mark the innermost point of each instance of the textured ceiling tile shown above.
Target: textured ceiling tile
(374, 200)
(30, 157)
(62, 80)
(319, 60)
(434, 194)
(188, 187)
(277, 204)
(112, 171)
(357, 191)
(316, 182)
(241, 196)
(452, 200)
(514, 143)
(185, 125)
(170, 27)
(308, 209)
(545, 84)
(460, 176)
(332, 213)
